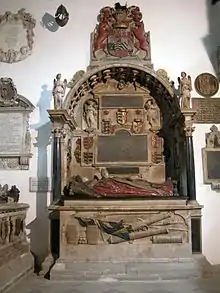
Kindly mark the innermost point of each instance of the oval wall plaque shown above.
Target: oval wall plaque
(206, 85)
(16, 36)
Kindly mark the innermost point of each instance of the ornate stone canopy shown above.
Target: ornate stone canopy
(158, 85)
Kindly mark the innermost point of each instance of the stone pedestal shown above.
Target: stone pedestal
(15, 257)
(158, 231)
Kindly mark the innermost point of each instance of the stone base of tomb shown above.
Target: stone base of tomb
(15, 269)
(159, 236)
(16, 259)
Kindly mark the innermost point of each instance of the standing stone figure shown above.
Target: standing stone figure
(153, 115)
(185, 88)
(90, 114)
(59, 89)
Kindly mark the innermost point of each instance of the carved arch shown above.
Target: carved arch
(145, 76)
(159, 88)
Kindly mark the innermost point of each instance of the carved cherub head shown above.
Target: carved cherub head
(183, 74)
(149, 103)
(58, 76)
(214, 128)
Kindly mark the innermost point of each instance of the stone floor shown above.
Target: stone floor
(35, 284)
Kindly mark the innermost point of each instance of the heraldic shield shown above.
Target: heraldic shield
(121, 116)
(120, 43)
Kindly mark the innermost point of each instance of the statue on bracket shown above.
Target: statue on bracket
(120, 33)
(14, 29)
(153, 115)
(185, 88)
(90, 114)
(59, 89)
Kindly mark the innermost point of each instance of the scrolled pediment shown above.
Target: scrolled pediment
(9, 98)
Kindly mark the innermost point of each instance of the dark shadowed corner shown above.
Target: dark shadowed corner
(39, 227)
(212, 40)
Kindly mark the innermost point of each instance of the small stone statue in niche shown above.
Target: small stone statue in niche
(185, 88)
(90, 114)
(59, 90)
(153, 115)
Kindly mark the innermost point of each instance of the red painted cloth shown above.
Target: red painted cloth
(115, 188)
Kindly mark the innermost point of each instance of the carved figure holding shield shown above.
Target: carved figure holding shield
(59, 90)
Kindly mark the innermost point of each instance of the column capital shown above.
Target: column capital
(189, 115)
(59, 132)
(59, 118)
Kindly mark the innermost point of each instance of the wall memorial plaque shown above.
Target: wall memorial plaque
(207, 110)
(211, 158)
(41, 184)
(206, 85)
(16, 36)
(15, 136)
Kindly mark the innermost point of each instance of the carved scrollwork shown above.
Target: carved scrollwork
(10, 22)
(9, 96)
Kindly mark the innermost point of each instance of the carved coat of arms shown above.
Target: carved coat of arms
(87, 142)
(120, 33)
(8, 92)
(121, 116)
(137, 125)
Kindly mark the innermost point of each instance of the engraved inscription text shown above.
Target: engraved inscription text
(11, 133)
(208, 110)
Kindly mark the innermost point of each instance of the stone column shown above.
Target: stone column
(61, 122)
(191, 182)
(56, 175)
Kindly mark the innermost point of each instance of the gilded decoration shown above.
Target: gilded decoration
(211, 158)
(206, 84)
(16, 36)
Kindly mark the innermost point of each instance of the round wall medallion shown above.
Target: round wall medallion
(206, 85)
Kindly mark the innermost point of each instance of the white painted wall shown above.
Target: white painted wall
(179, 30)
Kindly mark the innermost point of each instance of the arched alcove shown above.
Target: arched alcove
(157, 86)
